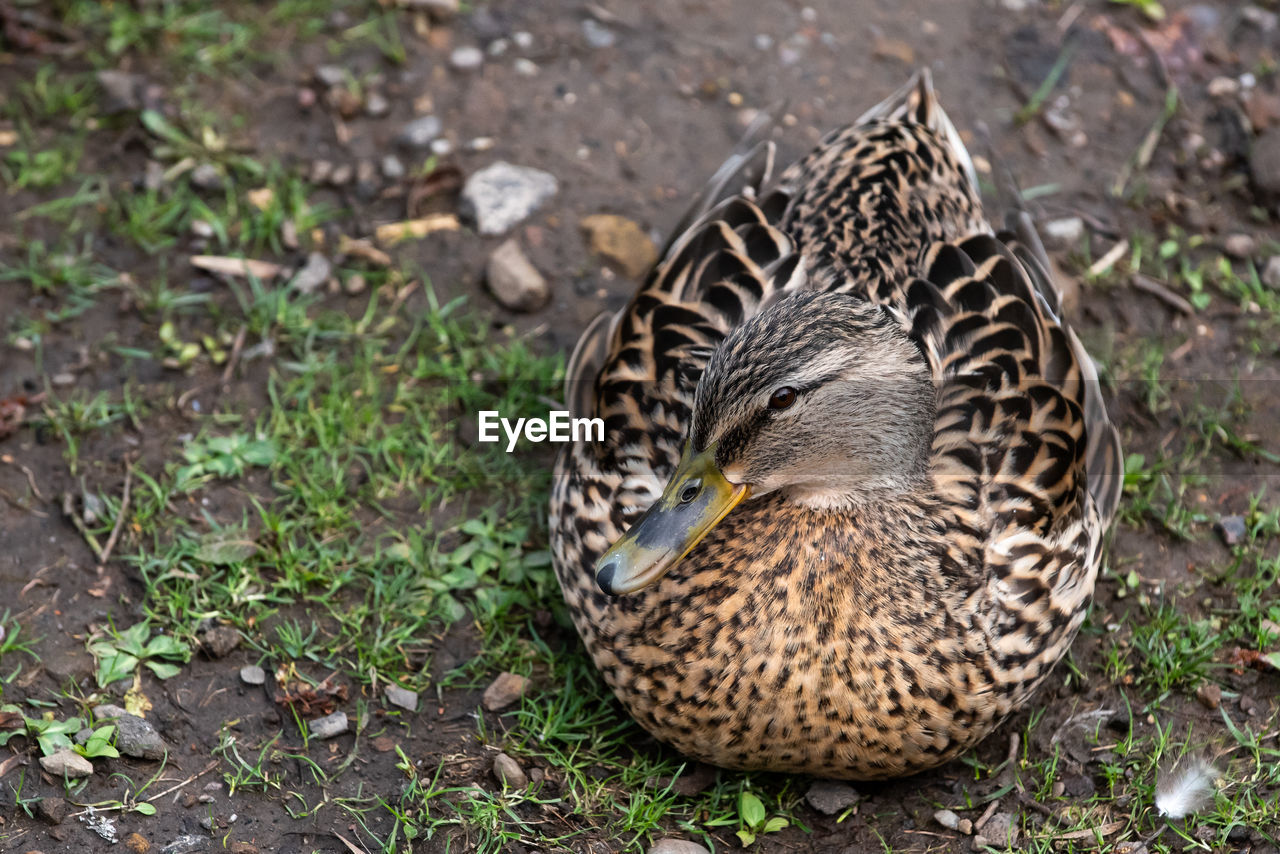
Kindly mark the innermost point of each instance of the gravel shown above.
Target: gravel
(467, 58)
(504, 691)
(329, 726)
(508, 772)
(419, 132)
(829, 797)
(501, 195)
(513, 280)
(66, 762)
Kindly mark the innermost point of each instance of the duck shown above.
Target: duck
(856, 471)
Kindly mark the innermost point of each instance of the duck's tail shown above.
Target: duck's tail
(917, 101)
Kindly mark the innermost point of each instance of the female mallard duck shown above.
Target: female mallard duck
(888, 467)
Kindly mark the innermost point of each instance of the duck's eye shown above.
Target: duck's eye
(690, 491)
(782, 398)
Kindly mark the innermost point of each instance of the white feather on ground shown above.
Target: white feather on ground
(1187, 787)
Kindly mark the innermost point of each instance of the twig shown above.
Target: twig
(31, 478)
(1028, 801)
(1160, 291)
(1106, 262)
(191, 779)
(1147, 149)
(105, 554)
(234, 358)
(986, 815)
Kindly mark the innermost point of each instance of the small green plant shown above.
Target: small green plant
(119, 655)
(755, 819)
(214, 457)
(1152, 9)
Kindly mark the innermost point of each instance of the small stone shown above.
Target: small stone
(497, 48)
(466, 58)
(1223, 87)
(965, 826)
(320, 171)
(83, 735)
(1240, 245)
(313, 274)
(419, 132)
(441, 146)
(1067, 231)
(243, 848)
(153, 176)
(136, 737)
(328, 726)
(598, 36)
(207, 177)
(376, 105)
(523, 39)
(124, 91)
(107, 712)
(677, 846)
(355, 284)
(504, 691)
(1231, 529)
(1261, 18)
(1248, 705)
(252, 674)
(1271, 272)
(188, 843)
(392, 168)
(342, 175)
(331, 75)
(52, 810)
(508, 772)
(201, 229)
(66, 762)
(830, 797)
(137, 843)
(1264, 162)
(525, 67)
(1209, 695)
(501, 195)
(515, 282)
(402, 697)
(1002, 830)
(621, 241)
(947, 819)
(306, 98)
(220, 641)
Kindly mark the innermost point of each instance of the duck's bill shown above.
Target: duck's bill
(695, 500)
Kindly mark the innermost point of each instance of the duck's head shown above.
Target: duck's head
(820, 397)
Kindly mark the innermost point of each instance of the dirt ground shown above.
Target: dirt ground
(632, 127)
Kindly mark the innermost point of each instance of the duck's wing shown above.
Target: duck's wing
(1024, 456)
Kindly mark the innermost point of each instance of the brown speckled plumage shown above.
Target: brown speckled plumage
(884, 637)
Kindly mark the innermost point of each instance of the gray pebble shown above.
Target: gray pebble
(466, 58)
(419, 132)
(1271, 272)
(1231, 529)
(517, 285)
(830, 797)
(328, 726)
(598, 36)
(207, 177)
(392, 168)
(501, 195)
(138, 738)
(947, 819)
(313, 274)
(677, 846)
(402, 697)
(1064, 232)
(523, 39)
(66, 762)
(440, 147)
(508, 772)
(252, 674)
(525, 67)
(331, 75)
(376, 105)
